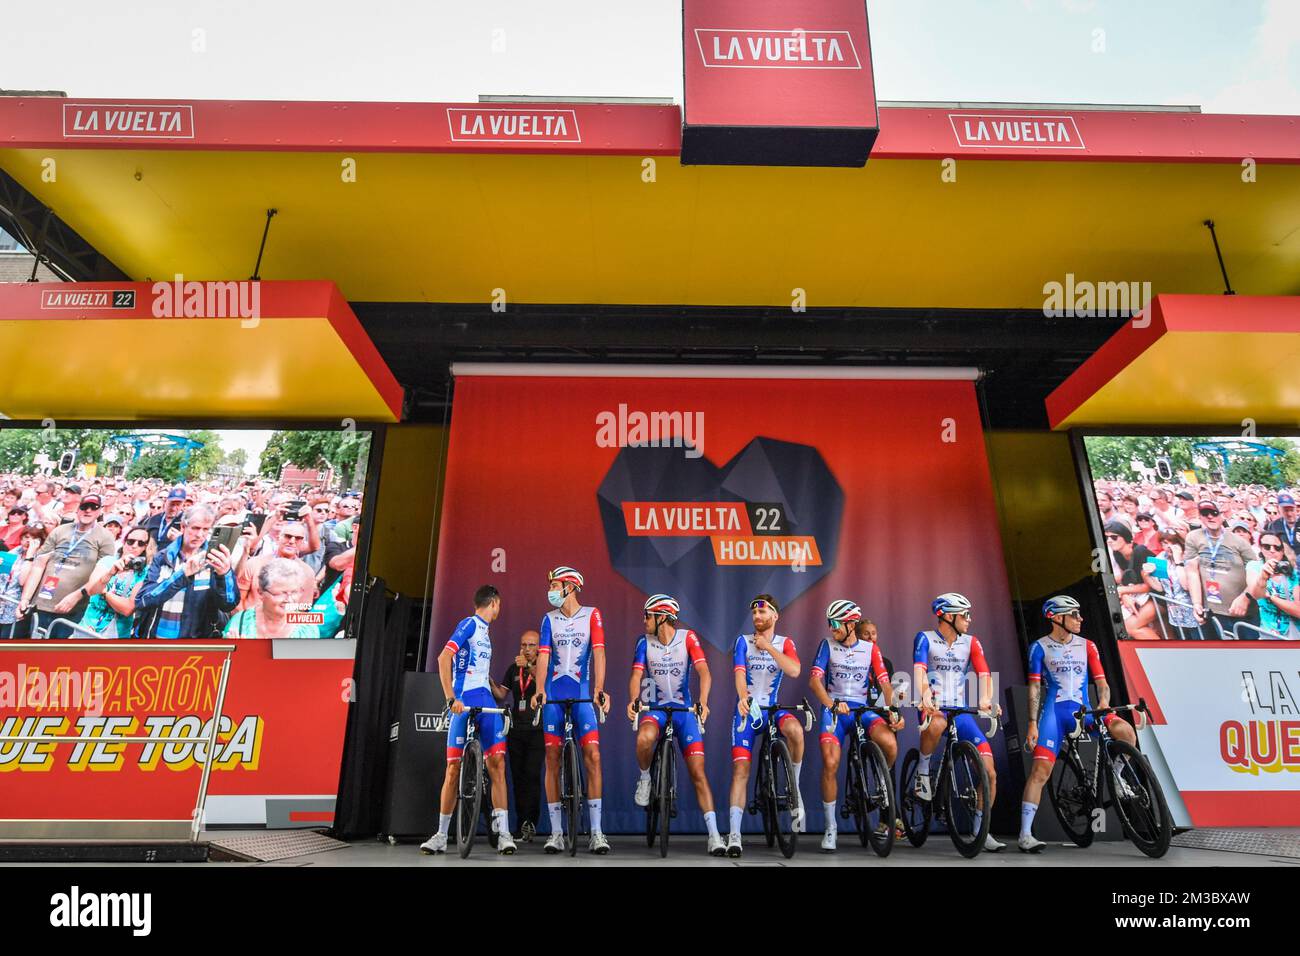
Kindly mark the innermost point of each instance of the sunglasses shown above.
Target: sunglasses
(965, 614)
(88, 507)
(1209, 513)
(138, 542)
(760, 606)
(1271, 547)
(1113, 537)
(291, 537)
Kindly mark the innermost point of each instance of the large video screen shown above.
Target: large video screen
(161, 533)
(1200, 534)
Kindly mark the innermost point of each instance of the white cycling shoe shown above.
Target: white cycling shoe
(435, 844)
(1029, 844)
(599, 844)
(555, 844)
(642, 795)
(505, 844)
(991, 845)
(828, 841)
(717, 845)
(734, 849)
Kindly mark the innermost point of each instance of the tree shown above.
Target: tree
(344, 451)
(1111, 456)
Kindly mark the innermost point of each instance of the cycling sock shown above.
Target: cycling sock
(645, 774)
(796, 767)
(1027, 811)
(830, 815)
(593, 811)
(711, 821)
(923, 765)
(977, 821)
(557, 817)
(737, 814)
(500, 821)
(444, 823)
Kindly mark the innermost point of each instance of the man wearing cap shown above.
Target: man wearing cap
(71, 500)
(56, 584)
(1285, 524)
(1187, 508)
(165, 526)
(1216, 580)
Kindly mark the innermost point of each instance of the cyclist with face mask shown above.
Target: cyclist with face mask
(571, 664)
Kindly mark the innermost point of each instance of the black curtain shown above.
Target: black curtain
(363, 776)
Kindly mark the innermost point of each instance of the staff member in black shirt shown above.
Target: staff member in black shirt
(526, 744)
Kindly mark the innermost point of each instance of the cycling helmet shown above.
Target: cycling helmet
(950, 603)
(843, 612)
(662, 604)
(1059, 606)
(565, 575)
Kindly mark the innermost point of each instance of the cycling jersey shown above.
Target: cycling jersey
(567, 642)
(1064, 669)
(669, 667)
(947, 666)
(762, 675)
(848, 668)
(473, 649)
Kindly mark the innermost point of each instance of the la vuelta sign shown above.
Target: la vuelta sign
(127, 121)
(1016, 131)
(777, 83)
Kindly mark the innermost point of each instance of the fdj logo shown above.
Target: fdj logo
(432, 723)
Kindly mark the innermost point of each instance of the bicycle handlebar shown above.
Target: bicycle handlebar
(475, 711)
(950, 712)
(600, 714)
(803, 705)
(1140, 707)
(696, 709)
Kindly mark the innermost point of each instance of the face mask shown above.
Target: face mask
(555, 597)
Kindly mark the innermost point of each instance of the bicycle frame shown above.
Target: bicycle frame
(662, 761)
(946, 766)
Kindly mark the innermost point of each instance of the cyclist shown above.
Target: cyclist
(1058, 688)
(941, 660)
(841, 674)
(464, 665)
(664, 658)
(761, 660)
(570, 659)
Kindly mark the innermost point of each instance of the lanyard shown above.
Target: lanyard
(1217, 545)
(73, 542)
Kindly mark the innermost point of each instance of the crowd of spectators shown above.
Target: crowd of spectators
(1203, 562)
(238, 558)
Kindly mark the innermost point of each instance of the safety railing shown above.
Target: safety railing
(85, 829)
(1163, 603)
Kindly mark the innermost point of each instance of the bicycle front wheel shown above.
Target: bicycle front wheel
(1139, 801)
(765, 794)
(1073, 800)
(784, 799)
(965, 797)
(469, 796)
(571, 792)
(879, 798)
(652, 808)
(914, 811)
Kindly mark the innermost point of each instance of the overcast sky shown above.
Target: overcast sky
(1227, 56)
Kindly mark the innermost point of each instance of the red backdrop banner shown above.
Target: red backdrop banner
(713, 490)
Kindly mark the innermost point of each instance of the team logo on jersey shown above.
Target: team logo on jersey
(713, 536)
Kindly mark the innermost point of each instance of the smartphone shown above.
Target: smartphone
(256, 520)
(224, 534)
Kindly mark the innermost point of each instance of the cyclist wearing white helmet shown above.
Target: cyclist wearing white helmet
(841, 673)
(571, 664)
(661, 674)
(1058, 688)
(942, 659)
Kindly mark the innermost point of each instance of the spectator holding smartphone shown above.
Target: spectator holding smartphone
(189, 587)
(1169, 579)
(1128, 561)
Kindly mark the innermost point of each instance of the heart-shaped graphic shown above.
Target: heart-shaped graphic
(786, 490)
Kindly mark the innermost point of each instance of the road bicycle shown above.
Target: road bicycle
(776, 791)
(662, 808)
(572, 786)
(474, 782)
(962, 794)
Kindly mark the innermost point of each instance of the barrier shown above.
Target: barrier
(100, 829)
(1163, 602)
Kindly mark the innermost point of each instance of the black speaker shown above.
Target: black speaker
(417, 759)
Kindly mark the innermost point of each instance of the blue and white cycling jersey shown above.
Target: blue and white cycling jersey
(762, 675)
(473, 649)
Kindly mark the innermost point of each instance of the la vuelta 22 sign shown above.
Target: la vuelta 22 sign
(714, 536)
